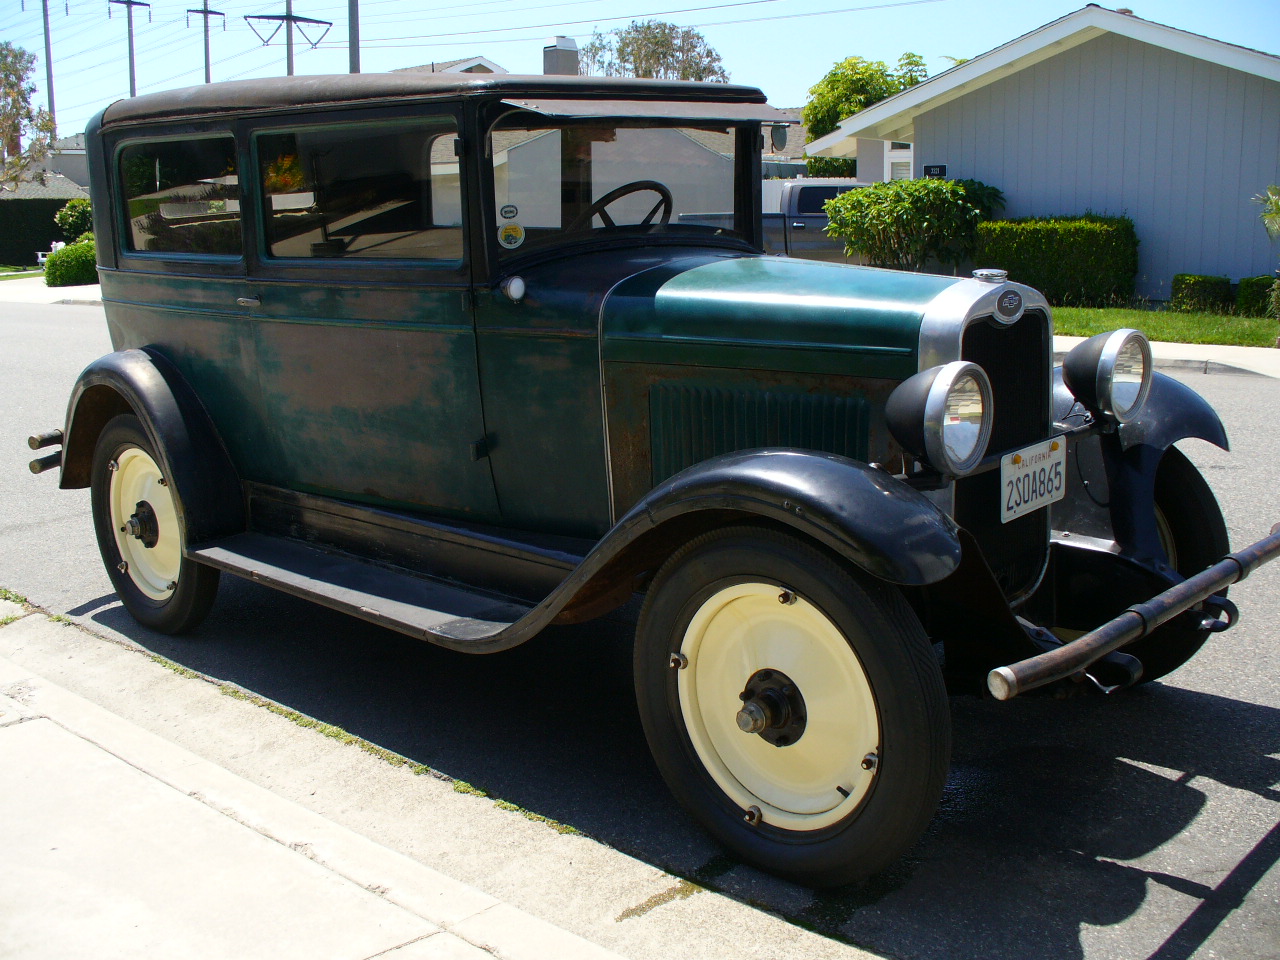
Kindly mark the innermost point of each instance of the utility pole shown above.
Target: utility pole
(129, 5)
(206, 13)
(353, 33)
(48, 66)
(287, 21)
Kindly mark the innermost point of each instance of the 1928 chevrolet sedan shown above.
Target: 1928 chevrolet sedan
(454, 354)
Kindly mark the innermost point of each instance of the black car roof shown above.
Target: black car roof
(241, 96)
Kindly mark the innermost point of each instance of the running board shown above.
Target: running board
(441, 613)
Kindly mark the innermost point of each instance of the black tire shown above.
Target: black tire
(859, 650)
(142, 560)
(1194, 536)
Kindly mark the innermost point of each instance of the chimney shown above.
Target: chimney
(560, 57)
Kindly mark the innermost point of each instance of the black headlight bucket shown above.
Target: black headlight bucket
(1110, 374)
(931, 415)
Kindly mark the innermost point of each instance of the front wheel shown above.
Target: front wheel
(140, 533)
(795, 710)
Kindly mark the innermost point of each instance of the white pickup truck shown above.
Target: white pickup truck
(795, 225)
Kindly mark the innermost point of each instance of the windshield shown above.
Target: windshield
(556, 181)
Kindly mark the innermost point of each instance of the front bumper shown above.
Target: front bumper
(1072, 659)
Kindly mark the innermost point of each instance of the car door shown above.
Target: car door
(364, 341)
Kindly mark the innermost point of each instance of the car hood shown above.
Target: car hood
(771, 313)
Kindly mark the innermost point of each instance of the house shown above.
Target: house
(1105, 112)
(465, 65)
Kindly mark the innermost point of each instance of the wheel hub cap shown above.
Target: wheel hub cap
(773, 708)
(143, 525)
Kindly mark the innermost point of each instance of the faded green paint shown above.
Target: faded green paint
(771, 313)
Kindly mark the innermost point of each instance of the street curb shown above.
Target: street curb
(457, 908)
(1187, 366)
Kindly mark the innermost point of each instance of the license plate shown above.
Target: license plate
(1032, 477)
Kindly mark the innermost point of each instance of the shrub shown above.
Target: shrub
(903, 223)
(1195, 291)
(1275, 300)
(1252, 296)
(1084, 261)
(72, 265)
(74, 218)
(86, 237)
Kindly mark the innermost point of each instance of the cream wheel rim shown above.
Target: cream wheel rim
(825, 774)
(136, 480)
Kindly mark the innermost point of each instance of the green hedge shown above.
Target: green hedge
(1084, 261)
(25, 227)
(1275, 300)
(1196, 291)
(71, 266)
(1253, 296)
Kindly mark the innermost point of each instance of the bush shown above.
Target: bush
(1194, 291)
(903, 223)
(71, 266)
(74, 218)
(1252, 296)
(86, 237)
(1083, 261)
(1275, 300)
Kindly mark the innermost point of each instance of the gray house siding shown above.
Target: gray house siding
(1117, 126)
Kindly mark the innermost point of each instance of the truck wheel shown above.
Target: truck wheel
(1194, 536)
(140, 534)
(794, 709)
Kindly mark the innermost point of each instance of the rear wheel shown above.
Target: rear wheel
(1194, 536)
(794, 709)
(140, 533)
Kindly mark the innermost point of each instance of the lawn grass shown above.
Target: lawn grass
(1169, 326)
(10, 272)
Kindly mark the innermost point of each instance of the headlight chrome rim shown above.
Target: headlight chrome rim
(1108, 361)
(935, 417)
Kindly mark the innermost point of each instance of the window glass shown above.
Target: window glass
(812, 198)
(555, 181)
(900, 170)
(182, 196)
(368, 192)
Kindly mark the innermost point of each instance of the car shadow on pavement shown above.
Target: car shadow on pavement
(1053, 819)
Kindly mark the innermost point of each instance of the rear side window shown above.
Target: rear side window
(812, 198)
(372, 191)
(182, 196)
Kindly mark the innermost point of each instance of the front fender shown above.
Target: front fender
(1173, 412)
(190, 452)
(877, 522)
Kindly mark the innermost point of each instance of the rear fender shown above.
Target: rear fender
(191, 454)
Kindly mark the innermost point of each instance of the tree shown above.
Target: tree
(74, 219)
(653, 49)
(19, 121)
(903, 223)
(1270, 215)
(850, 86)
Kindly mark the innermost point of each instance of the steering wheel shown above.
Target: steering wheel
(583, 220)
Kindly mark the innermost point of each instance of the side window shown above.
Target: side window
(385, 191)
(181, 196)
(812, 198)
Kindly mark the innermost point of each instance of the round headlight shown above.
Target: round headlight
(1110, 374)
(943, 416)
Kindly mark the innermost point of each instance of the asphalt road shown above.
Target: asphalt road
(1142, 825)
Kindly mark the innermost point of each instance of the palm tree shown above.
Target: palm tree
(1270, 201)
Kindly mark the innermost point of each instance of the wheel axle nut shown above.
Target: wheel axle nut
(753, 717)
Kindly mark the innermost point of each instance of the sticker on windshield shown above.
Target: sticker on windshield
(509, 211)
(511, 235)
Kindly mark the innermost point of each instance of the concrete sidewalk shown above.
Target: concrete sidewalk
(119, 843)
(34, 290)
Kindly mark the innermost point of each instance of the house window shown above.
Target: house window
(899, 145)
(900, 170)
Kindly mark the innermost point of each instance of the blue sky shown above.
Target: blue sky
(781, 46)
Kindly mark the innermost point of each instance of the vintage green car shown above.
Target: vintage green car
(454, 354)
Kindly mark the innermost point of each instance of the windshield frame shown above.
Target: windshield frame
(745, 192)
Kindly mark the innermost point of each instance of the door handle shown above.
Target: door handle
(248, 301)
(797, 226)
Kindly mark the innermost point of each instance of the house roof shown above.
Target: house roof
(55, 187)
(72, 144)
(894, 117)
(465, 65)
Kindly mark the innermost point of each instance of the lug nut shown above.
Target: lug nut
(870, 761)
(786, 597)
(122, 566)
(679, 661)
(753, 815)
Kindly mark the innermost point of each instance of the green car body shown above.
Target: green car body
(372, 348)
